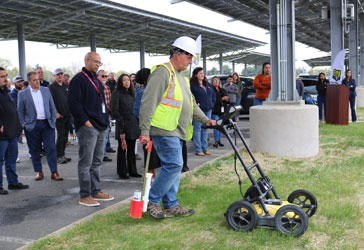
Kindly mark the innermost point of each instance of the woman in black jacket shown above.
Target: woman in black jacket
(321, 90)
(221, 100)
(127, 129)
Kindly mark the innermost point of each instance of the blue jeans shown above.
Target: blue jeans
(321, 100)
(238, 101)
(8, 155)
(91, 152)
(217, 133)
(258, 102)
(166, 184)
(200, 135)
(42, 133)
(352, 107)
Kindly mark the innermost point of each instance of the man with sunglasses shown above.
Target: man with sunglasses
(166, 114)
(59, 91)
(101, 76)
(86, 100)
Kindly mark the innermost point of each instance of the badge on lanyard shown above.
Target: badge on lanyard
(103, 108)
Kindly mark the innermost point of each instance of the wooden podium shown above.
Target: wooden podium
(337, 104)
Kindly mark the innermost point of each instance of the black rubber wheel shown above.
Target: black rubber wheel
(241, 216)
(291, 220)
(305, 200)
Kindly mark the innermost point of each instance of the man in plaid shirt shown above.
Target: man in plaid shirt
(101, 75)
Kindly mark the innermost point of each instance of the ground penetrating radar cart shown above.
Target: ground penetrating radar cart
(261, 205)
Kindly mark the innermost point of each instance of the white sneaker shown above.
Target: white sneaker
(17, 160)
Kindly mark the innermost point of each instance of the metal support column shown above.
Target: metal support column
(233, 65)
(93, 42)
(142, 54)
(220, 64)
(245, 69)
(337, 29)
(282, 42)
(353, 44)
(204, 61)
(255, 69)
(21, 51)
(361, 16)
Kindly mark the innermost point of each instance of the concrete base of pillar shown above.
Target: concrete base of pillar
(285, 129)
(360, 97)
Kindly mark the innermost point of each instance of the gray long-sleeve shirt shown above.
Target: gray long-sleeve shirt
(232, 91)
(157, 85)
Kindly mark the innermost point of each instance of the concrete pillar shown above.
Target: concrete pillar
(284, 126)
(233, 66)
(204, 60)
(220, 63)
(353, 44)
(142, 54)
(93, 42)
(337, 29)
(288, 129)
(21, 51)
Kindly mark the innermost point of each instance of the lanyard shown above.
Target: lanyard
(96, 87)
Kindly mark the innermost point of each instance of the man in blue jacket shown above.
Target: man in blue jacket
(86, 101)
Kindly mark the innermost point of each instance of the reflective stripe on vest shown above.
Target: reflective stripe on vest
(169, 99)
(172, 100)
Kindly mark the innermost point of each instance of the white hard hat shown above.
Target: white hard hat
(186, 43)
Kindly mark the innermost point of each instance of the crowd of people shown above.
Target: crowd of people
(158, 104)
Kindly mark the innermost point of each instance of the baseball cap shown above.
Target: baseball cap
(18, 79)
(58, 71)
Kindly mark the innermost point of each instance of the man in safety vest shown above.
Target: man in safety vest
(166, 115)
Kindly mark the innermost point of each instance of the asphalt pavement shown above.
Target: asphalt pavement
(48, 205)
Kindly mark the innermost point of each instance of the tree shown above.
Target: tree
(226, 70)
(213, 72)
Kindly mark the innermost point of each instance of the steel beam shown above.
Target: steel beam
(282, 44)
(337, 29)
(204, 61)
(142, 54)
(353, 44)
(220, 63)
(361, 16)
(93, 42)
(21, 51)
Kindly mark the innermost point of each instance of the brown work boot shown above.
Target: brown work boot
(155, 211)
(88, 202)
(102, 197)
(178, 211)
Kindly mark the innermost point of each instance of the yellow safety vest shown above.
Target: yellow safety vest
(168, 111)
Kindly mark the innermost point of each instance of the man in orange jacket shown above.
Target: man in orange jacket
(262, 85)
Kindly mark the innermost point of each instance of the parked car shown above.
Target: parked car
(310, 92)
(247, 94)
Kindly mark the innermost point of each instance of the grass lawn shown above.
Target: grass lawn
(335, 176)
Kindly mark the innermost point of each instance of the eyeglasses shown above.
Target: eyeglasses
(4, 76)
(103, 76)
(97, 62)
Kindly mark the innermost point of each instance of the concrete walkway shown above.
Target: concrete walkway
(48, 206)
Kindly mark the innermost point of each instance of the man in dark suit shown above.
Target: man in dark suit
(37, 114)
(9, 132)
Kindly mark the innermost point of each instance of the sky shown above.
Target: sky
(47, 54)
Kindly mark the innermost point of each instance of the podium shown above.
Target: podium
(337, 104)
